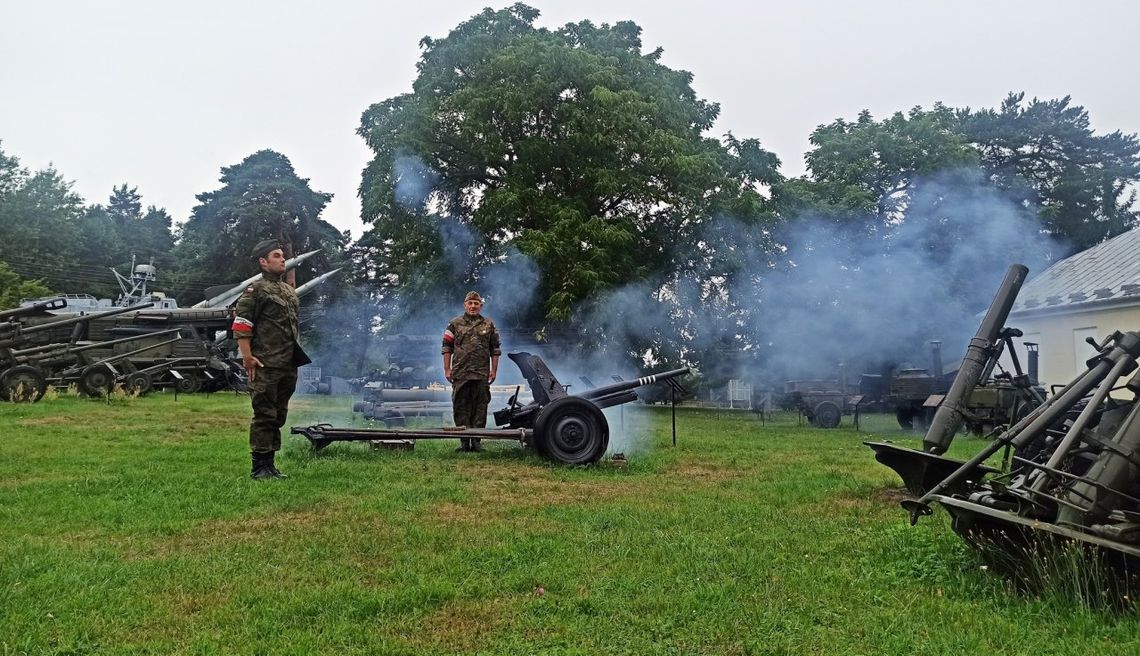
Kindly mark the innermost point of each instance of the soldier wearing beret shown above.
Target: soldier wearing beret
(266, 329)
(471, 362)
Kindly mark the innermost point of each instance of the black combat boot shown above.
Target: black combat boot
(273, 467)
(476, 445)
(262, 464)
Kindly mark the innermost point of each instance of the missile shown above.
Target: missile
(308, 287)
(216, 298)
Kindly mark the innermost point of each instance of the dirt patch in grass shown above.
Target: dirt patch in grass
(500, 491)
(875, 500)
(45, 421)
(891, 496)
(704, 472)
(277, 528)
(462, 626)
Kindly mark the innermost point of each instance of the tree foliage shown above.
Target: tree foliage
(1045, 154)
(1042, 155)
(47, 232)
(13, 288)
(570, 146)
(261, 197)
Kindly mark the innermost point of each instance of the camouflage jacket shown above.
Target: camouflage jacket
(266, 313)
(471, 341)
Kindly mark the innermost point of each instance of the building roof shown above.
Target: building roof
(1106, 274)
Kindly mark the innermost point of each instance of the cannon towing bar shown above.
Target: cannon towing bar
(322, 435)
(562, 427)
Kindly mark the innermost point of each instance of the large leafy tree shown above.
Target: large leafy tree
(41, 226)
(869, 168)
(1045, 154)
(47, 233)
(571, 148)
(260, 197)
(1042, 155)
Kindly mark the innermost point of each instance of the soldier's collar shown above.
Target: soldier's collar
(273, 277)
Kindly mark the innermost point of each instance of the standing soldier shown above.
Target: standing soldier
(470, 344)
(265, 326)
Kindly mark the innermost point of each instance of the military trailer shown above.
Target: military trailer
(823, 402)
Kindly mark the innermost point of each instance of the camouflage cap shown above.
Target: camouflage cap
(472, 296)
(264, 248)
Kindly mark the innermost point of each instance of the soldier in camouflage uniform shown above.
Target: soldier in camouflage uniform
(265, 326)
(471, 362)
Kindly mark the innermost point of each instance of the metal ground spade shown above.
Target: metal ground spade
(572, 430)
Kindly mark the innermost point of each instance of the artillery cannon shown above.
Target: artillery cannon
(27, 352)
(563, 427)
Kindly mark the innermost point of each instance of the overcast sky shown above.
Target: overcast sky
(162, 94)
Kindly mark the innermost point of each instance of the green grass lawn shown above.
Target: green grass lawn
(131, 527)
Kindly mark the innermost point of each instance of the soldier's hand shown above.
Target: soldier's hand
(490, 377)
(251, 364)
(447, 375)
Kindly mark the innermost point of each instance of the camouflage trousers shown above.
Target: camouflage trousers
(469, 399)
(270, 392)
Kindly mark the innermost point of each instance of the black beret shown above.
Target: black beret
(264, 248)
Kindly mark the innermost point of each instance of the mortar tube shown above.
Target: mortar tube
(949, 416)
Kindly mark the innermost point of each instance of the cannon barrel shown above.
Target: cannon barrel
(948, 418)
(49, 349)
(40, 306)
(607, 390)
(12, 338)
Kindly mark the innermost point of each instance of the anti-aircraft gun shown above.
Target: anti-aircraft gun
(1072, 471)
(24, 332)
(563, 427)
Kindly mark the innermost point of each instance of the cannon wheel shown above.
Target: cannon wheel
(189, 383)
(572, 430)
(905, 417)
(140, 383)
(96, 381)
(924, 417)
(826, 415)
(22, 383)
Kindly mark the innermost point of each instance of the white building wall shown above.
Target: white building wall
(1061, 338)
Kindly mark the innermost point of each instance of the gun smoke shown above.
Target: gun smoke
(763, 303)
